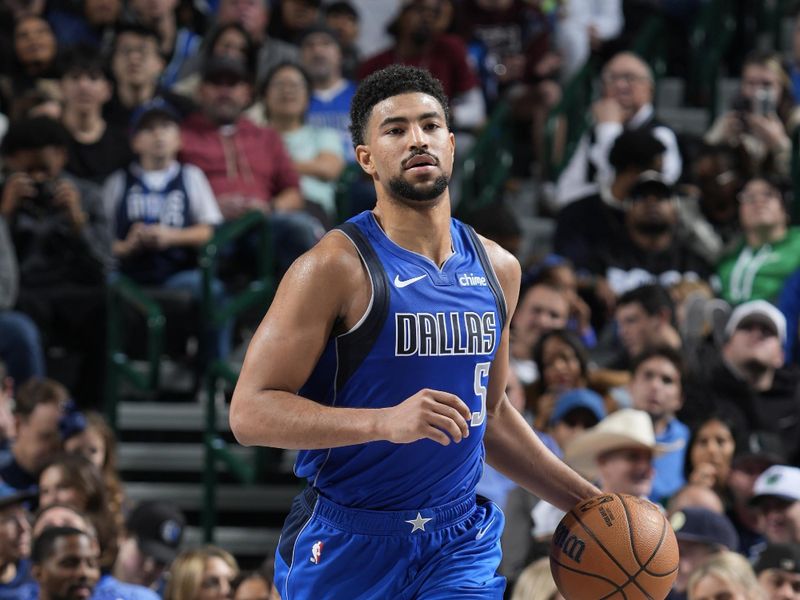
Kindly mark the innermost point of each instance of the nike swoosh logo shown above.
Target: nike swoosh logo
(401, 283)
(482, 532)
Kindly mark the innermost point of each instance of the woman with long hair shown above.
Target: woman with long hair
(710, 451)
(90, 436)
(205, 573)
(72, 479)
(726, 575)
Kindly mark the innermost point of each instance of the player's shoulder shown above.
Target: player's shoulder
(333, 259)
(332, 275)
(504, 263)
(506, 267)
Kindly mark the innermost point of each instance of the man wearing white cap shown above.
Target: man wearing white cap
(749, 377)
(776, 495)
(617, 454)
(755, 334)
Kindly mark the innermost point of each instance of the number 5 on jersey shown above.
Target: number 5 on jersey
(481, 375)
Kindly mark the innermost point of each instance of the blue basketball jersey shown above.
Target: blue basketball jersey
(168, 207)
(334, 112)
(426, 327)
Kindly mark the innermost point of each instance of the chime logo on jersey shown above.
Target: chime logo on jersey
(316, 552)
(445, 334)
(470, 280)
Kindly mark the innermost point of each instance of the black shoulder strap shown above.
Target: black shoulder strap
(491, 277)
(354, 346)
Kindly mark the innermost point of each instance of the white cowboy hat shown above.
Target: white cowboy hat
(626, 428)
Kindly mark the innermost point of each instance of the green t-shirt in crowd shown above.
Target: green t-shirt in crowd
(759, 273)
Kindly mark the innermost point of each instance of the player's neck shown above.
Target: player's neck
(424, 231)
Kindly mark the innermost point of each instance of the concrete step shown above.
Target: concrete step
(153, 456)
(685, 120)
(168, 416)
(670, 92)
(184, 457)
(240, 541)
(230, 497)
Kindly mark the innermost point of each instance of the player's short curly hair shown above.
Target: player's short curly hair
(391, 81)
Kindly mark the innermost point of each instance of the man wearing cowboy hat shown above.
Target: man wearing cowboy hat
(617, 454)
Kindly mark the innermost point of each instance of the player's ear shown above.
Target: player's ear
(364, 158)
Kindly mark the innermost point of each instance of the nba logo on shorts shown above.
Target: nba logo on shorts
(316, 552)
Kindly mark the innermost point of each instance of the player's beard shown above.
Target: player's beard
(403, 189)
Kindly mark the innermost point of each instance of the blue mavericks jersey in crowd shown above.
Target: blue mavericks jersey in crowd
(168, 207)
(332, 109)
(425, 327)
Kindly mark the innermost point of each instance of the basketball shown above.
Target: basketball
(614, 547)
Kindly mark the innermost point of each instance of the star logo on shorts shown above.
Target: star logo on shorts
(418, 523)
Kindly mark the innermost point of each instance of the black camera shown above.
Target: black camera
(762, 103)
(742, 104)
(40, 204)
(45, 190)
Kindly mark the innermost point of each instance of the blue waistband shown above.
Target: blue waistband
(388, 522)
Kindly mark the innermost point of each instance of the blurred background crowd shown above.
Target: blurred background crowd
(164, 162)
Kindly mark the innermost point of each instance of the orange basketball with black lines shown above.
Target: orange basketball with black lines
(614, 547)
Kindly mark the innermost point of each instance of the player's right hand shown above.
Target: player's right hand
(431, 414)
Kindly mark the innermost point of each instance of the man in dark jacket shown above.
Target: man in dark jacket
(62, 246)
(748, 377)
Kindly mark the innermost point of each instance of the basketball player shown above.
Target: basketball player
(383, 358)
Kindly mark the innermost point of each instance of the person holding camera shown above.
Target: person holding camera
(62, 246)
(761, 117)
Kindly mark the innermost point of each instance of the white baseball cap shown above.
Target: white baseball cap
(779, 481)
(761, 309)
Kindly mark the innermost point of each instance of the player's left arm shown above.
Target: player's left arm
(512, 447)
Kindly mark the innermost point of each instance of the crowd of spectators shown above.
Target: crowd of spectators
(655, 345)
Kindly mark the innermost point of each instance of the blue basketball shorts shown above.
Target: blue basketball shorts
(327, 551)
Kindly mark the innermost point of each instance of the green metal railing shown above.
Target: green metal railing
(351, 173)
(258, 290)
(125, 293)
(121, 292)
(651, 44)
(486, 166)
(771, 13)
(572, 113)
(709, 41)
(246, 471)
